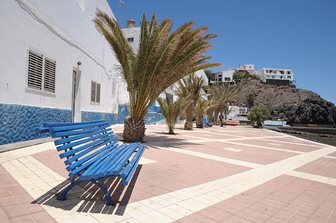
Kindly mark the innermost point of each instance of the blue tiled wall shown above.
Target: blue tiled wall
(18, 122)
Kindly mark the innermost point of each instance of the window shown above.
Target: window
(41, 72)
(130, 39)
(288, 72)
(282, 72)
(49, 75)
(35, 70)
(227, 79)
(95, 92)
(289, 77)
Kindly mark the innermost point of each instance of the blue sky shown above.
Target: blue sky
(297, 34)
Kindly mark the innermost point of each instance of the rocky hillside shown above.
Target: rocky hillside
(298, 105)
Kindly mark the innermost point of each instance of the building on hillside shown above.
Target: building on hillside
(55, 66)
(238, 113)
(250, 68)
(223, 77)
(277, 76)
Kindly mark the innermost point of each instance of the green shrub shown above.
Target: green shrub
(257, 115)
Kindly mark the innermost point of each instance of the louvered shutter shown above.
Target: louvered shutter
(98, 93)
(35, 70)
(49, 75)
(93, 91)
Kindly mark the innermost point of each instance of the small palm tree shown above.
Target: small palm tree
(164, 57)
(190, 86)
(171, 110)
(220, 96)
(257, 115)
(201, 108)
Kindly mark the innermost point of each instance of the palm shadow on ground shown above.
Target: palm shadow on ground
(88, 198)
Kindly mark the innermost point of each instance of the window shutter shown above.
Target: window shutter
(49, 75)
(93, 91)
(98, 93)
(35, 65)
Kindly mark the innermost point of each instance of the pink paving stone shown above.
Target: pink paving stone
(171, 172)
(249, 154)
(304, 202)
(323, 167)
(286, 146)
(285, 141)
(15, 203)
(333, 154)
(299, 140)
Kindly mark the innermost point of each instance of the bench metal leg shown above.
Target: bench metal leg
(62, 195)
(106, 192)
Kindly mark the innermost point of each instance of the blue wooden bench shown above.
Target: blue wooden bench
(92, 154)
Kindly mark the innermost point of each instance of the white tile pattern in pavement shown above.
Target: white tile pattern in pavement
(37, 178)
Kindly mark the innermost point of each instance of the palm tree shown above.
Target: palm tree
(171, 110)
(190, 86)
(164, 57)
(201, 108)
(220, 96)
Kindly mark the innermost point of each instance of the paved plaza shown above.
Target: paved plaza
(231, 174)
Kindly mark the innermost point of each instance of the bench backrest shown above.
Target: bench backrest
(82, 143)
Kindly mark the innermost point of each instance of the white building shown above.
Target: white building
(55, 66)
(276, 76)
(237, 113)
(247, 67)
(132, 34)
(223, 77)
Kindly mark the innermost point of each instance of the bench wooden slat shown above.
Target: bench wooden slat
(133, 168)
(91, 163)
(132, 163)
(55, 124)
(99, 171)
(94, 131)
(96, 144)
(115, 161)
(121, 162)
(75, 127)
(73, 133)
(83, 141)
(83, 153)
(97, 154)
(90, 173)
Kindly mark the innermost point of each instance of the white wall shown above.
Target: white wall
(133, 32)
(275, 74)
(64, 31)
(202, 74)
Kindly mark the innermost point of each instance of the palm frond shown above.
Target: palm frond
(164, 57)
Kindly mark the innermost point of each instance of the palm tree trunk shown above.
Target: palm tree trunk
(199, 123)
(188, 125)
(171, 129)
(171, 125)
(216, 122)
(134, 130)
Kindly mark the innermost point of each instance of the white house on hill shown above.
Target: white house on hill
(276, 76)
